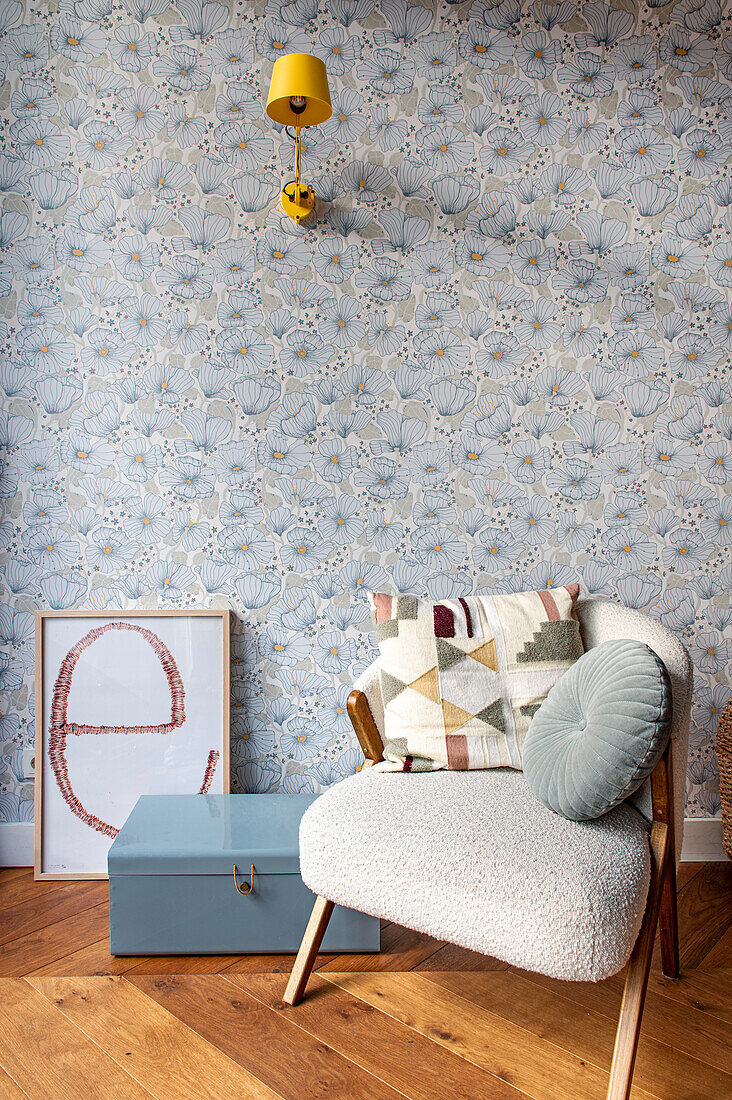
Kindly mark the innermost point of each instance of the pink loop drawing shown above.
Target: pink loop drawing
(60, 729)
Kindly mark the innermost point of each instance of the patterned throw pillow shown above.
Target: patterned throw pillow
(462, 679)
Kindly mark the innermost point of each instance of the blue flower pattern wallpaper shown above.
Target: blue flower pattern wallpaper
(495, 358)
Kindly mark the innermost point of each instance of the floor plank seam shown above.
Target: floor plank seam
(313, 1035)
(13, 944)
(51, 924)
(193, 1031)
(510, 1084)
(123, 978)
(692, 1007)
(694, 1058)
(611, 1017)
(19, 1087)
(93, 1041)
(414, 1096)
(322, 1044)
(467, 1001)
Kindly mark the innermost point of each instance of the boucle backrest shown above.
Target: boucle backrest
(603, 621)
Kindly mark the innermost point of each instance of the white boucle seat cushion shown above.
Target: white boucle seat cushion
(474, 858)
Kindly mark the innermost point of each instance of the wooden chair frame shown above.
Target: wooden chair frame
(660, 909)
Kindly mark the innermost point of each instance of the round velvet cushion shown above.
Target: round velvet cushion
(600, 731)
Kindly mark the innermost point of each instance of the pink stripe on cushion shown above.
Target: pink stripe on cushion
(382, 606)
(572, 591)
(444, 621)
(552, 611)
(457, 752)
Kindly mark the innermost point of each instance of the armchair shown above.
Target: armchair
(473, 857)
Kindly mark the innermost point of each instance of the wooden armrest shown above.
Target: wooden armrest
(662, 790)
(363, 723)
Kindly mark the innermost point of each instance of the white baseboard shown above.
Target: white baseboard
(702, 840)
(16, 845)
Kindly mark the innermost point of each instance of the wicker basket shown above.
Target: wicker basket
(724, 758)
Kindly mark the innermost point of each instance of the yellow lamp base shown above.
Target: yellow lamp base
(297, 202)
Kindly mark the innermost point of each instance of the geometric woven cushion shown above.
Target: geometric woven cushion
(600, 731)
(476, 859)
(462, 679)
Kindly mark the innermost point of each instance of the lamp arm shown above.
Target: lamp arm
(298, 159)
(297, 199)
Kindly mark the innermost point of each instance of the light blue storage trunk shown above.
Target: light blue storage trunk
(171, 879)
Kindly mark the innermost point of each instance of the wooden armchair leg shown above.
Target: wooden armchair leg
(309, 948)
(636, 981)
(629, 1022)
(668, 921)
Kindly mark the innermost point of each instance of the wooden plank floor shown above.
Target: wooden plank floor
(423, 1020)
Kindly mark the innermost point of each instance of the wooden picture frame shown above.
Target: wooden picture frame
(129, 632)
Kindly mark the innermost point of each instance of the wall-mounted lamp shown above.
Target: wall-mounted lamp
(298, 97)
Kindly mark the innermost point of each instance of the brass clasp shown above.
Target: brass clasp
(242, 889)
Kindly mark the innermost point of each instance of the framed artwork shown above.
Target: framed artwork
(127, 703)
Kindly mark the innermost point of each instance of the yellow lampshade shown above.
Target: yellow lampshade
(299, 76)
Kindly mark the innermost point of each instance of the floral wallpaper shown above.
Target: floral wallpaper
(496, 358)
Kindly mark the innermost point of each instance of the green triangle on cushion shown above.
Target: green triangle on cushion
(448, 655)
(391, 687)
(493, 715)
